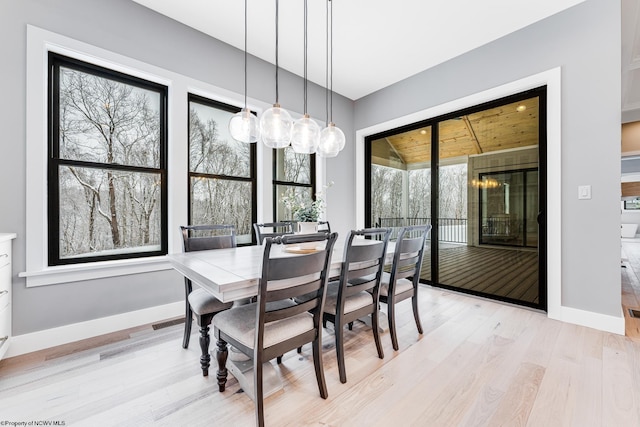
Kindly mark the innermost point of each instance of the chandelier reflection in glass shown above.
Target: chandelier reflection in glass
(485, 183)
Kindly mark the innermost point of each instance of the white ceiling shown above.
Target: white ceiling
(376, 42)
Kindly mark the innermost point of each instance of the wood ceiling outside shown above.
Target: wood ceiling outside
(495, 129)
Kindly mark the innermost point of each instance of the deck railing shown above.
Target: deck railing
(449, 229)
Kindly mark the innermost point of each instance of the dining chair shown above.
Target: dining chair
(324, 226)
(355, 294)
(276, 322)
(200, 302)
(272, 229)
(402, 282)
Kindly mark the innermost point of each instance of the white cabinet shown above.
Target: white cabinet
(5, 291)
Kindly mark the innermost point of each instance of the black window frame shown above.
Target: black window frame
(252, 163)
(55, 61)
(276, 182)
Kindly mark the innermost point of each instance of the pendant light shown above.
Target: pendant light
(244, 126)
(306, 132)
(332, 139)
(276, 123)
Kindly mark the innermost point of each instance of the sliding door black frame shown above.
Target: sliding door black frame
(541, 93)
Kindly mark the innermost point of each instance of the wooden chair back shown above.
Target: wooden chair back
(408, 254)
(362, 264)
(285, 279)
(272, 229)
(204, 237)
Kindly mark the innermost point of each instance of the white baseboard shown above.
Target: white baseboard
(27, 343)
(602, 322)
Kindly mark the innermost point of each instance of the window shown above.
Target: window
(508, 207)
(222, 171)
(107, 183)
(632, 204)
(294, 175)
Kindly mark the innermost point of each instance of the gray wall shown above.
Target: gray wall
(126, 28)
(585, 42)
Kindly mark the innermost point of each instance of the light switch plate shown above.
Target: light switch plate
(584, 192)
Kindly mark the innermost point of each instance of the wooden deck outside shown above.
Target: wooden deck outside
(506, 273)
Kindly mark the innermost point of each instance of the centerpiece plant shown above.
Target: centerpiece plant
(305, 211)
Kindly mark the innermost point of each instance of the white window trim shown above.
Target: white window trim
(39, 43)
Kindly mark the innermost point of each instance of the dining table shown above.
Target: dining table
(232, 274)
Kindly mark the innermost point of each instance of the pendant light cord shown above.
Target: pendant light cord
(245, 53)
(277, 32)
(331, 67)
(326, 71)
(305, 56)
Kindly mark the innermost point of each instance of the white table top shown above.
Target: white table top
(232, 274)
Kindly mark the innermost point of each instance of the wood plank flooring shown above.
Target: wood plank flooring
(503, 272)
(478, 363)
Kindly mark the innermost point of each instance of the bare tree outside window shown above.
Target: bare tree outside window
(386, 193)
(106, 157)
(294, 178)
(419, 193)
(221, 170)
(453, 191)
(294, 167)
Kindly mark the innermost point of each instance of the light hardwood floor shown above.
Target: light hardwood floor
(479, 363)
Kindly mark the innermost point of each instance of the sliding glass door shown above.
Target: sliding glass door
(399, 189)
(477, 177)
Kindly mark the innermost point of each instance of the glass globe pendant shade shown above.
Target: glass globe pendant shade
(276, 125)
(331, 138)
(341, 140)
(305, 135)
(244, 126)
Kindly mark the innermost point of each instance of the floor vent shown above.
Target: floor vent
(634, 313)
(181, 320)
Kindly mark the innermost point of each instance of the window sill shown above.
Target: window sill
(95, 270)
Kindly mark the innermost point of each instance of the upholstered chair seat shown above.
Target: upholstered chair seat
(202, 302)
(241, 323)
(351, 303)
(402, 285)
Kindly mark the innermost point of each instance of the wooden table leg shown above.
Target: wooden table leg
(204, 346)
(221, 355)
